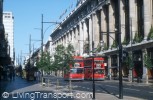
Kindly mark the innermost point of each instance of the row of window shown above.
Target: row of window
(79, 16)
(7, 16)
(6, 13)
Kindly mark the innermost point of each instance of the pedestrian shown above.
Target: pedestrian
(13, 74)
(39, 75)
(4, 74)
(35, 75)
(10, 74)
(1, 72)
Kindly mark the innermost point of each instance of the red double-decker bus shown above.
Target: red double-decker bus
(76, 71)
(99, 69)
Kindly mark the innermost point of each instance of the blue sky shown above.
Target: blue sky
(27, 17)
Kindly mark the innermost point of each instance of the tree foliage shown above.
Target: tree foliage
(114, 45)
(137, 38)
(150, 35)
(63, 56)
(129, 61)
(59, 57)
(147, 61)
(105, 47)
(45, 63)
(86, 48)
(69, 56)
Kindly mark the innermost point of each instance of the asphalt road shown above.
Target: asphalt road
(138, 90)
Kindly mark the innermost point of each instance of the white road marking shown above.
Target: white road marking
(131, 89)
(88, 88)
(111, 86)
(150, 92)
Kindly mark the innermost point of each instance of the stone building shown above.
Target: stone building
(4, 50)
(93, 21)
(8, 21)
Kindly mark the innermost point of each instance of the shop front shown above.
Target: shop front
(138, 64)
(150, 71)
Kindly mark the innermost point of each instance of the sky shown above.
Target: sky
(27, 20)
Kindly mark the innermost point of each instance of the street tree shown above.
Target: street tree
(69, 56)
(58, 58)
(130, 65)
(148, 64)
(63, 57)
(69, 60)
(45, 63)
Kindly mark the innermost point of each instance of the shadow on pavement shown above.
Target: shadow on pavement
(18, 83)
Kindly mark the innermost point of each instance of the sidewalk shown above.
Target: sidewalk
(3, 85)
(141, 83)
(136, 83)
(20, 89)
(19, 86)
(75, 92)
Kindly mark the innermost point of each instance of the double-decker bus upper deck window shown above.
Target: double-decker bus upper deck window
(98, 61)
(88, 62)
(77, 65)
(78, 60)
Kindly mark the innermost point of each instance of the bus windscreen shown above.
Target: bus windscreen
(76, 70)
(99, 71)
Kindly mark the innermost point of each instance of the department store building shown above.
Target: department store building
(93, 21)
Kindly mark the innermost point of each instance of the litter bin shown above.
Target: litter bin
(43, 80)
(138, 80)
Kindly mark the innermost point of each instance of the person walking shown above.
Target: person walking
(39, 76)
(13, 74)
(10, 74)
(35, 76)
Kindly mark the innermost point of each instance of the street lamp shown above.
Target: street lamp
(93, 80)
(119, 50)
(42, 34)
(93, 73)
(120, 53)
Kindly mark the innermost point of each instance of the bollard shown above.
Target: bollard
(138, 79)
(57, 84)
(70, 86)
(48, 82)
(42, 81)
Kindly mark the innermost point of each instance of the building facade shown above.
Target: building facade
(8, 21)
(93, 21)
(4, 54)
